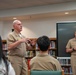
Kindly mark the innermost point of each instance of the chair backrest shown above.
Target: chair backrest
(47, 72)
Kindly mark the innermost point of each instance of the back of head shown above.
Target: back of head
(43, 43)
(1, 50)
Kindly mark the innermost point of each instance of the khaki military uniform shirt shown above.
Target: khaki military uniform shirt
(20, 49)
(44, 62)
(71, 44)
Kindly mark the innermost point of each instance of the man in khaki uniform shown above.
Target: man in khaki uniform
(17, 44)
(71, 47)
(43, 61)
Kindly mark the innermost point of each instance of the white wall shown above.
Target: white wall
(34, 28)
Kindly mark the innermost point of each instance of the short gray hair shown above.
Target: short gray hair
(15, 21)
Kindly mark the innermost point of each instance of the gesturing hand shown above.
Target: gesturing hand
(24, 40)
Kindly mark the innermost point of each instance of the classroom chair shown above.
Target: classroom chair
(46, 72)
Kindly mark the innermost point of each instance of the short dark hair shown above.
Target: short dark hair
(43, 43)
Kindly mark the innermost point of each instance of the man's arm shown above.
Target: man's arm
(69, 49)
(15, 44)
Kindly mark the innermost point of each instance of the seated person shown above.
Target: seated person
(43, 61)
(5, 66)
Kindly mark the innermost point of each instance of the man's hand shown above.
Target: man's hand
(23, 40)
(74, 48)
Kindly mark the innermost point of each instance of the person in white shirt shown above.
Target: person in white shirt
(5, 66)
